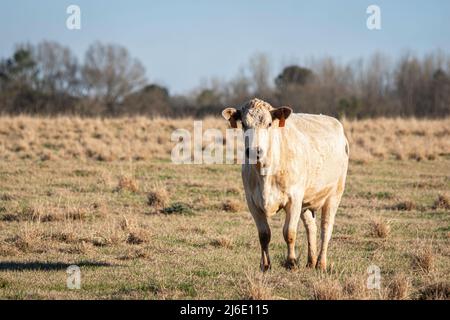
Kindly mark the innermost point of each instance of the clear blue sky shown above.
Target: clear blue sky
(182, 42)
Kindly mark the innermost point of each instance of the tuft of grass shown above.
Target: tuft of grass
(9, 217)
(137, 237)
(424, 259)
(124, 225)
(6, 197)
(3, 283)
(178, 208)
(327, 289)
(399, 287)
(257, 287)
(223, 242)
(435, 291)
(100, 241)
(406, 205)
(158, 198)
(415, 155)
(231, 206)
(77, 214)
(356, 288)
(130, 254)
(127, 183)
(61, 236)
(380, 228)
(442, 202)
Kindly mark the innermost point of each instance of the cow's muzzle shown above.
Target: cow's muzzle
(253, 154)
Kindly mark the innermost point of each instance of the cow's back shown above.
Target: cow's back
(322, 141)
(314, 125)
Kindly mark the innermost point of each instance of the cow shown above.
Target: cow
(301, 167)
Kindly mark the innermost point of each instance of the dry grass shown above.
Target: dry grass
(257, 287)
(355, 288)
(62, 203)
(435, 291)
(399, 287)
(380, 228)
(127, 183)
(327, 289)
(442, 202)
(424, 259)
(231, 205)
(158, 198)
(46, 139)
(406, 205)
(400, 139)
(137, 237)
(223, 242)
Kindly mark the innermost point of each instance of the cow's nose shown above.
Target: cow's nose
(256, 152)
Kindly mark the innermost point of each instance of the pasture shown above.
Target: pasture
(104, 195)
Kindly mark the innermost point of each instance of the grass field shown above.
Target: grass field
(103, 195)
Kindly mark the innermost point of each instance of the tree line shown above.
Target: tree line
(47, 79)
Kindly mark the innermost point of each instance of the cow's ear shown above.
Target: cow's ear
(232, 115)
(281, 114)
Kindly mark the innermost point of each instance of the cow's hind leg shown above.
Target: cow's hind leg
(293, 211)
(329, 210)
(309, 221)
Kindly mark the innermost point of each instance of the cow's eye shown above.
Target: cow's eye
(270, 124)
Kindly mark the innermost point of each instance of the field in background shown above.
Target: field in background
(65, 138)
(103, 194)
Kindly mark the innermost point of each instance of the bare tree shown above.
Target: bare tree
(152, 100)
(46, 79)
(238, 89)
(260, 73)
(110, 73)
(58, 68)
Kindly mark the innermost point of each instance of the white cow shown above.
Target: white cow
(301, 167)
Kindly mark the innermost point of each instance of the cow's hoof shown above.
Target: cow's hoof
(265, 268)
(321, 265)
(311, 264)
(291, 264)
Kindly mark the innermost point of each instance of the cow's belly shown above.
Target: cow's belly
(315, 198)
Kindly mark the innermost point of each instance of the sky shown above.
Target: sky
(182, 43)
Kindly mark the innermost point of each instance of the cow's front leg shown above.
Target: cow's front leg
(293, 210)
(264, 240)
(264, 234)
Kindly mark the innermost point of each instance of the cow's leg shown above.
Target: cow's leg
(329, 210)
(309, 221)
(293, 210)
(264, 239)
(264, 234)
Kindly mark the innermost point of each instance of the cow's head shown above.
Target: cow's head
(258, 119)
